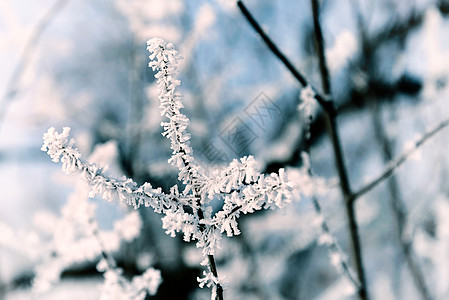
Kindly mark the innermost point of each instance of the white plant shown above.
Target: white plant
(241, 186)
(57, 244)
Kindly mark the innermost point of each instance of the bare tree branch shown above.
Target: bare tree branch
(323, 101)
(339, 157)
(398, 206)
(394, 165)
(329, 108)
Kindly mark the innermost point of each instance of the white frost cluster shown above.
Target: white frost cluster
(164, 59)
(117, 287)
(60, 148)
(241, 186)
(77, 238)
(308, 102)
(74, 238)
(210, 281)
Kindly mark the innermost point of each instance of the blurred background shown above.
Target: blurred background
(83, 64)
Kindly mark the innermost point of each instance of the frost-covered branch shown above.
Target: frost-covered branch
(74, 238)
(244, 189)
(60, 148)
(241, 186)
(267, 192)
(116, 286)
(394, 165)
(164, 59)
(338, 258)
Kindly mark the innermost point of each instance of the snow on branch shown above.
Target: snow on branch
(56, 244)
(60, 148)
(116, 286)
(241, 186)
(164, 59)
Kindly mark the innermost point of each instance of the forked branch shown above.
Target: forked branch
(329, 108)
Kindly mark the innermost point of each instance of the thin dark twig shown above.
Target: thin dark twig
(329, 108)
(25, 58)
(213, 269)
(392, 167)
(324, 71)
(325, 103)
(339, 157)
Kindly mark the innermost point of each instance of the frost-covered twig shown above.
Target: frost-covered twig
(75, 237)
(241, 185)
(164, 59)
(116, 286)
(337, 256)
(394, 165)
(60, 148)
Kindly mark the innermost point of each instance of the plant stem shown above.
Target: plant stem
(213, 269)
(211, 259)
